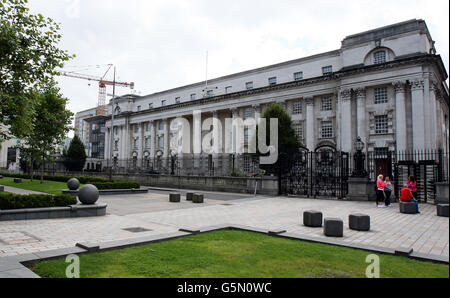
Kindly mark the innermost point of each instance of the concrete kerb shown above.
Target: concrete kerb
(17, 266)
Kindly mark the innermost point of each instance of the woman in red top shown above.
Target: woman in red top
(380, 192)
(412, 185)
(407, 196)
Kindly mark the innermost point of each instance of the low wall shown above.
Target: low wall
(265, 185)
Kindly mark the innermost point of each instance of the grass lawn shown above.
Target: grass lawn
(50, 187)
(236, 254)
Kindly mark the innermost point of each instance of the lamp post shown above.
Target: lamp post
(360, 159)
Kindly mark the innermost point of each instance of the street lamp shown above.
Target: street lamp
(360, 159)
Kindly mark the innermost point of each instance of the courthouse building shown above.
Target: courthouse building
(387, 86)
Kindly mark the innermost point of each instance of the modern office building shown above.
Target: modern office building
(82, 128)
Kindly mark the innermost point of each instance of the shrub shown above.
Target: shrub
(9, 201)
(117, 185)
(75, 157)
(100, 182)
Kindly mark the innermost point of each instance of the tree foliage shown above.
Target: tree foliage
(51, 123)
(75, 157)
(288, 142)
(29, 57)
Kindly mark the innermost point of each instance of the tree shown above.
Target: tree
(75, 157)
(288, 142)
(51, 123)
(29, 57)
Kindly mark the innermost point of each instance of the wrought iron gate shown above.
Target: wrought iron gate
(323, 173)
(428, 168)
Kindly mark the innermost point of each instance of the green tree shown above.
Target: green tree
(29, 57)
(288, 142)
(51, 123)
(75, 157)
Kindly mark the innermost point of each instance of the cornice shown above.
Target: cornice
(425, 58)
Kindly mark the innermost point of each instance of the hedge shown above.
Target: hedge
(117, 185)
(100, 182)
(10, 201)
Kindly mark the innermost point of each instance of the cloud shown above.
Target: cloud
(162, 44)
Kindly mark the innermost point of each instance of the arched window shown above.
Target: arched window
(379, 57)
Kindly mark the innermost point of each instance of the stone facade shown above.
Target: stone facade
(386, 86)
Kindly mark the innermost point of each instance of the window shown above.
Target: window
(161, 125)
(297, 108)
(228, 89)
(249, 113)
(327, 104)
(247, 164)
(178, 100)
(163, 103)
(150, 106)
(246, 137)
(116, 145)
(116, 131)
(327, 130)
(272, 81)
(136, 143)
(136, 128)
(161, 142)
(381, 125)
(298, 76)
(210, 93)
(147, 126)
(379, 57)
(381, 95)
(139, 108)
(299, 130)
(193, 96)
(327, 70)
(148, 142)
(381, 153)
(249, 85)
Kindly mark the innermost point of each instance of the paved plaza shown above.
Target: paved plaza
(154, 215)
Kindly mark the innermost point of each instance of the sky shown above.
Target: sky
(162, 44)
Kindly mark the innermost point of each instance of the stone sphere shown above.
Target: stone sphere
(88, 194)
(73, 184)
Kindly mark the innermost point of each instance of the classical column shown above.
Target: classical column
(235, 112)
(361, 113)
(417, 99)
(346, 120)
(107, 143)
(123, 142)
(432, 115)
(217, 144)
(166, 138)
(400, 115)
(310, 120)
(153, 139)
(142, 140)
(257, 112)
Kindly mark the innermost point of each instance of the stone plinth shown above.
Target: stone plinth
(360, 189)
(442, 193)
